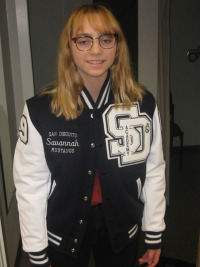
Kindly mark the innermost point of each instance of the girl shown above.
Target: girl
(88, 164)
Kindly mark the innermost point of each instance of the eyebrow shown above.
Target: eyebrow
(89, 34)
(84, 34)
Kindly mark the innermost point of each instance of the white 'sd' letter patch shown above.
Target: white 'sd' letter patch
(128, 135)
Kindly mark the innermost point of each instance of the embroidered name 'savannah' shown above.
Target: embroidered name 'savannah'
(62, 143)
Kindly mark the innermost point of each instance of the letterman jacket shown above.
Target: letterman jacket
(55, 164)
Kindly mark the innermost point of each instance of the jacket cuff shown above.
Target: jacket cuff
(153, 240)
(39, 259)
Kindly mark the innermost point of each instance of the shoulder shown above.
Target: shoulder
(39, 104)
(39, 101)
(39, 108)
(148, 104)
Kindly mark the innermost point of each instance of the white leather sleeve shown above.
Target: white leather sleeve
(154, 187)
(32, 181)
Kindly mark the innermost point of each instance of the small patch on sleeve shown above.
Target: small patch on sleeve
(23, 130)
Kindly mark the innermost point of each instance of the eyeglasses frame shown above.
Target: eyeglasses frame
(98, 38)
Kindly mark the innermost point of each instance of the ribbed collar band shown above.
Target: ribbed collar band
(102, 99)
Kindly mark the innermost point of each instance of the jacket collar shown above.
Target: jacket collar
(102, 99)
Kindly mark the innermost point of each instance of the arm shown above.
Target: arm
(32, 181)
(153, 195)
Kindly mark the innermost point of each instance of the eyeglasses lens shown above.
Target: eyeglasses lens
(106, 41)
(84, 43)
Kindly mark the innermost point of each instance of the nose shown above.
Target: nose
(96, 48)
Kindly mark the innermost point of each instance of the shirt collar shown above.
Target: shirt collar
(102, 99)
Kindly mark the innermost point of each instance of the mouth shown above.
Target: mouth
(95, 62)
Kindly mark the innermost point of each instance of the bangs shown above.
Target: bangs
(100, 21)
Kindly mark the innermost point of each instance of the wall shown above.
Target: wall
(9, 79)
(3, 261)
(148, 44)
(185, 76)
(45, 28)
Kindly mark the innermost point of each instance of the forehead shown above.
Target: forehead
(92, 22)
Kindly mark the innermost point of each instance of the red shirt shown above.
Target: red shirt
(96, 196)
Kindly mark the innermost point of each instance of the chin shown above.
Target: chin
(98, 74)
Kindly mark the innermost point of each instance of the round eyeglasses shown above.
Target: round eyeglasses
(85, 43)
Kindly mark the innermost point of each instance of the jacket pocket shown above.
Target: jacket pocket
(55, 239)
(139, 185)
(52, 188)
(133, 231)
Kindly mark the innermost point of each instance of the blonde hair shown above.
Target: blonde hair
(66, 90)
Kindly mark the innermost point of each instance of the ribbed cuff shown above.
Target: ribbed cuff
(39, 259)
(153, 240)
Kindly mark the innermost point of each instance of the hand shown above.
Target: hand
(151, 257)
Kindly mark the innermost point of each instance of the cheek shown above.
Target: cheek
(112, 55)
(76, 56)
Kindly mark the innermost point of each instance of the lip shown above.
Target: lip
(95, 62)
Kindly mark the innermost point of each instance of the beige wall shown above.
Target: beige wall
(148, 44)
(15, 86)
(3, 261)
(8, 208)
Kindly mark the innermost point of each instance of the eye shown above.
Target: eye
(106, 41)
(83, 41)
(107, 38)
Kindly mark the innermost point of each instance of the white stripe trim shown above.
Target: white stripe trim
(153, 236)
(153, 241)
(132, 229)
(139, 186)
(52, 188)
(130, 236)
(53, 241)
(39, 262)
(37, 256)
(106, 101)
(56, 236)
(104, 94)
(86, 100)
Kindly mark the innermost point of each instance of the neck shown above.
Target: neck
(94, 85)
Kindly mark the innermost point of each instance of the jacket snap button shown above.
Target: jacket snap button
(73, 250)
(92, 145)
(75, 240)
(85, 198)
(81, 221)
(92, 115)
(89, 172)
